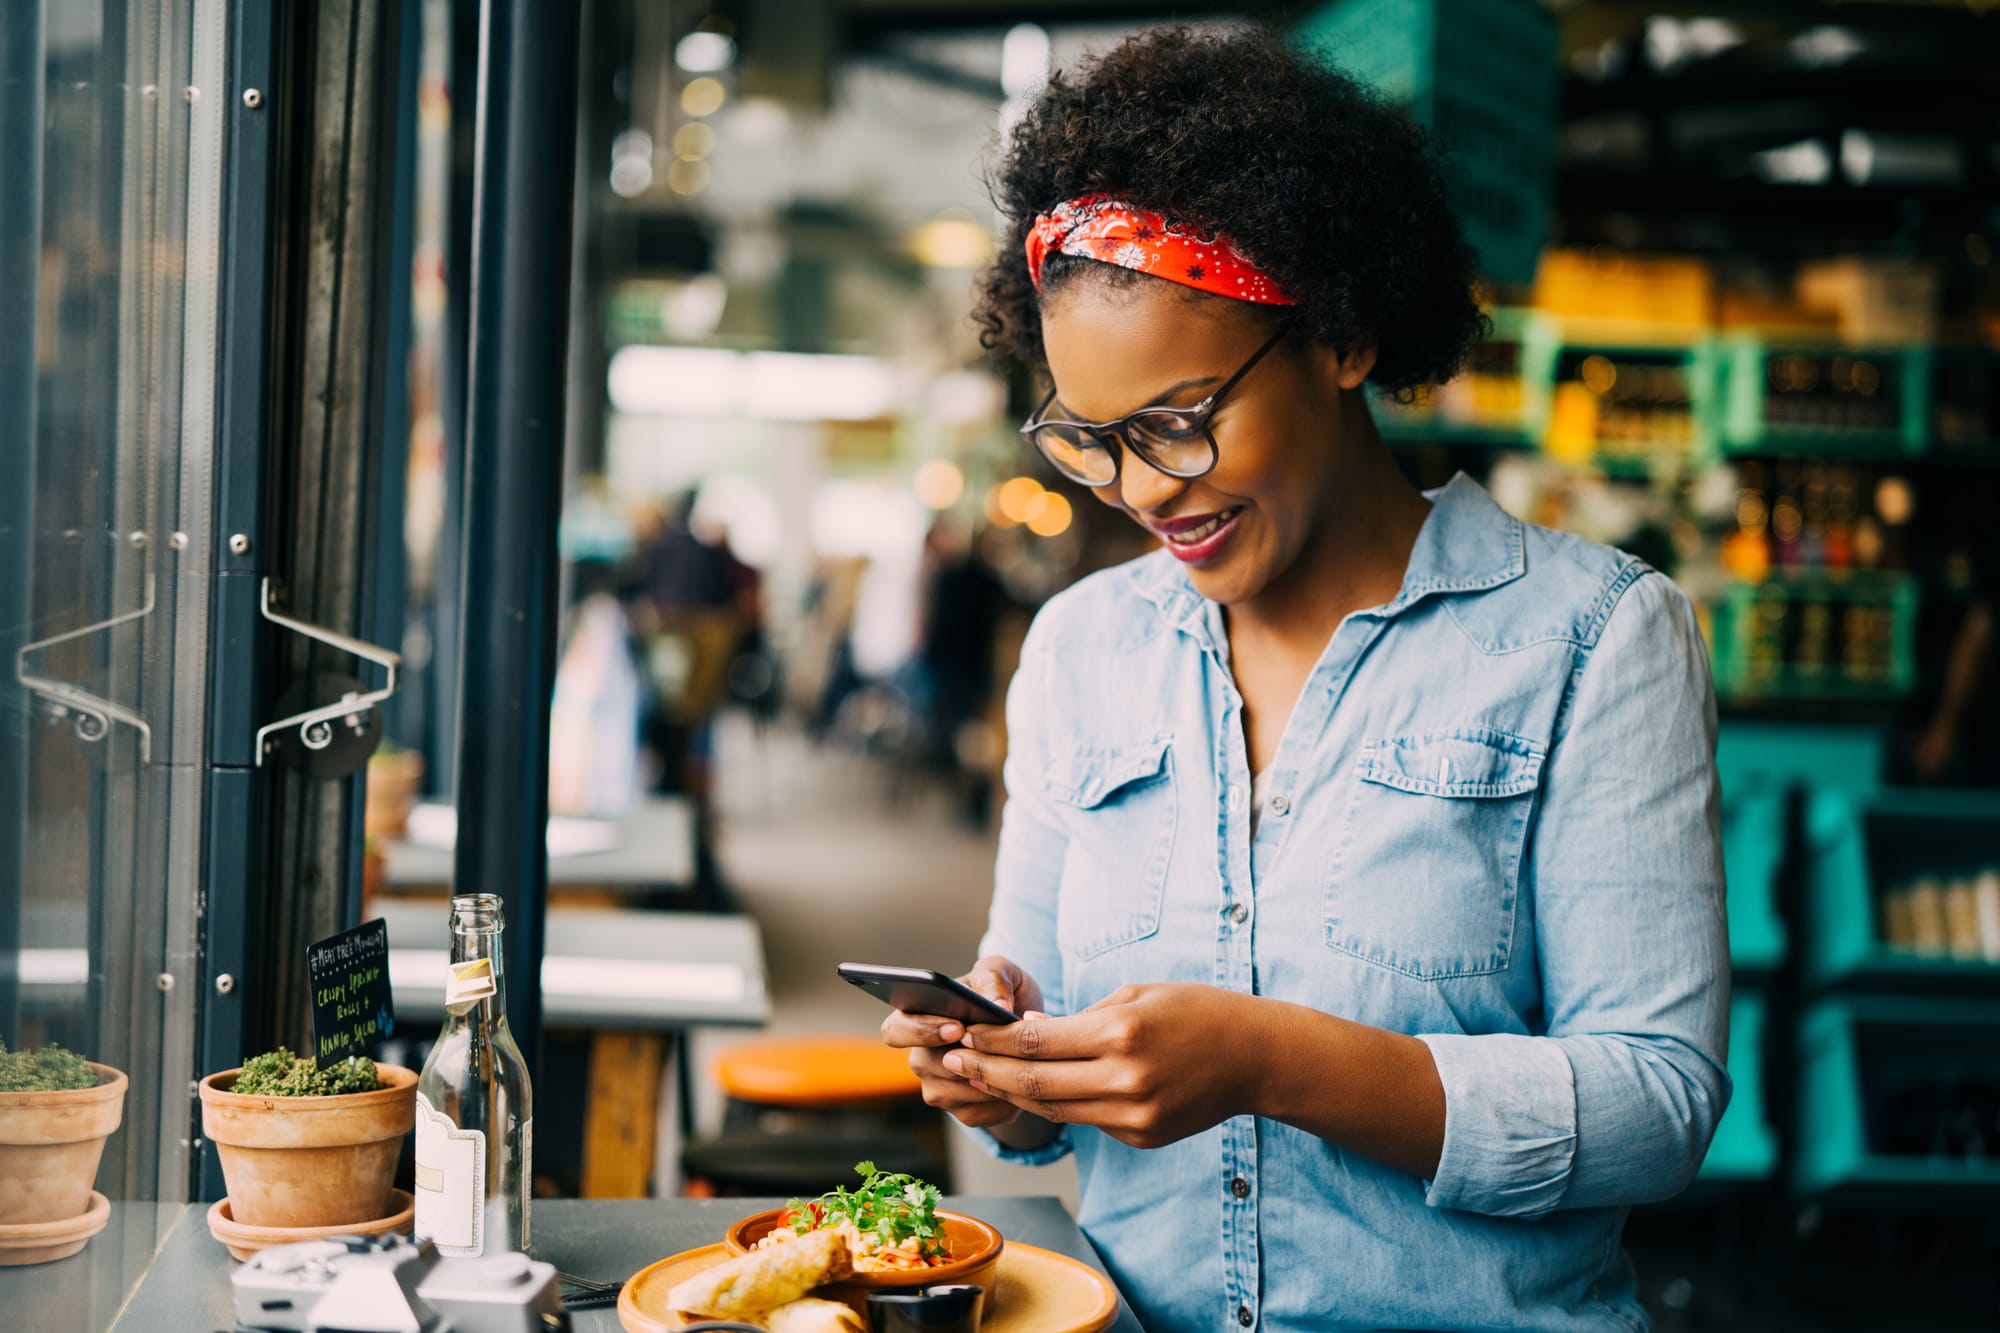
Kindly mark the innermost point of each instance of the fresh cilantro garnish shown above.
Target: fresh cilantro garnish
(891, 1207)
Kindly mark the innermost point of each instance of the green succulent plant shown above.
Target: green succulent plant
(279, 1073)
(51, 1069)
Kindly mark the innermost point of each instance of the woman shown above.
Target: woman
(1360, 867)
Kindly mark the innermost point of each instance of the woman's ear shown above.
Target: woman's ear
(1342, 369)
(1354, 365)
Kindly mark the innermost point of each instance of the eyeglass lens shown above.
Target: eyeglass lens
(1172, 442)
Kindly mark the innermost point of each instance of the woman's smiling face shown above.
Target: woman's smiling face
(1240, 528)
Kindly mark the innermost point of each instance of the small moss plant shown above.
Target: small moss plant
(51, 1069)
(279, 1073)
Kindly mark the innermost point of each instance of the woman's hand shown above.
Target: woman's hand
(1147, 1064)
(925, 1036)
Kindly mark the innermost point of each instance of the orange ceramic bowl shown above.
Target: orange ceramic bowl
(975, 1257)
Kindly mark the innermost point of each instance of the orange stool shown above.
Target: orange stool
(799, 1112)
(814, 1071)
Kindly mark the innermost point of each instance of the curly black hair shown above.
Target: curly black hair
(1335, 194)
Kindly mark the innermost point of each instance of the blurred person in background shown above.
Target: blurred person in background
(690, 612)
(963, 603)
(1359, 875)
(1961, 743)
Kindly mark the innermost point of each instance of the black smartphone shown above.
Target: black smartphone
(921, 990)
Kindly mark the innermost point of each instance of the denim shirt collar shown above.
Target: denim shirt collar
(1468, 543)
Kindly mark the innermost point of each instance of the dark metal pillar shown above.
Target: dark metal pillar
(454, 354)
(514, 448)
(384, 598)
(21, 78)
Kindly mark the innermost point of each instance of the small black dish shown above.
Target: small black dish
(955, 1308)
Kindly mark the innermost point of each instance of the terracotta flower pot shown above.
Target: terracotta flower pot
(309, 1161)
(393, 779)
(50, 1144)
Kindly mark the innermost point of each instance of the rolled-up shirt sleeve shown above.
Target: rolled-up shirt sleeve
(1027, 872)
(1615, 1103)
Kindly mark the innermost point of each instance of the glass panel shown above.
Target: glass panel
(110, 139)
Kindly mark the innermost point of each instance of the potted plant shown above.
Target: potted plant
(56, 1111)
(307, 1147)
(394, 775)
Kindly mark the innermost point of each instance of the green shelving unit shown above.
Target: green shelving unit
(1749, 621)
(1854, 1055)
(1745, 1147)
(1481, 76)
(1760, 763)
(1861, 845)
(1695, 360)
(1900, 373)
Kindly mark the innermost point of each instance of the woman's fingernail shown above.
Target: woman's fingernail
(980, 1086)
(955, 1062)
(950, 1031)
(1034, 1013)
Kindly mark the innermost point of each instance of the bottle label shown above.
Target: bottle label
(451, 1183)
(469, 983)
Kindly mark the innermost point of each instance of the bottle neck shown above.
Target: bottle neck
(475, 986)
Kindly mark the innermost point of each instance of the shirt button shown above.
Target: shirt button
(1279, 805)
(1235, 799)
(1244, 1317)
(1239, 914)
(1240, 1188)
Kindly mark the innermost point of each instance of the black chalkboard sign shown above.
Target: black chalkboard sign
(351, 1004)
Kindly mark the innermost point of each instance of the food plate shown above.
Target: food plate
(1040, 1291)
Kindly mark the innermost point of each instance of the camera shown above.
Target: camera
(393, 1284)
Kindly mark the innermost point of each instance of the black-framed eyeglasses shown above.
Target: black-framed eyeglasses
(1173, 440)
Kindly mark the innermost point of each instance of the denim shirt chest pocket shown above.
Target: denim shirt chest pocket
(1119, 808)
(1428, 871)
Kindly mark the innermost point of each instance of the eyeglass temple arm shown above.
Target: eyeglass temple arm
(1247, 366)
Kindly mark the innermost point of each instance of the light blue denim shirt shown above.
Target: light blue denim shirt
(1492, 823)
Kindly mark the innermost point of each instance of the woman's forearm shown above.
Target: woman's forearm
(1373, 1092)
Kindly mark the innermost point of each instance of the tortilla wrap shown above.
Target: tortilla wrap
(811, 1315)
(764, 1279)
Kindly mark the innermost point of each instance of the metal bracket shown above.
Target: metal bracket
(91, 716)
(316, 724)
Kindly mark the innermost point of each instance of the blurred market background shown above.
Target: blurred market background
(1739, 258)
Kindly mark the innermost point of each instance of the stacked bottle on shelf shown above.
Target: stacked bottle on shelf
(1950, 1114)
(1833, 391)
(1823, 546)
(1939, 917)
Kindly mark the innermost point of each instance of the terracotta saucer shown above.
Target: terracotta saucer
(40, 1242)
(244, 1240)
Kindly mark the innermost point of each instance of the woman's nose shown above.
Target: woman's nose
(1142, 486)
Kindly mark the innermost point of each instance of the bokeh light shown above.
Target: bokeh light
(694, 139)
(687, 176)
(1049, 515)
(939, 483)
(703, 97)
(1016, 495)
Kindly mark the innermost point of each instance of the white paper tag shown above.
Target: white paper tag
(451, 1183)
(468, 984)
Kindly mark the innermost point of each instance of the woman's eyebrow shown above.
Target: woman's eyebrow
(1157, 400)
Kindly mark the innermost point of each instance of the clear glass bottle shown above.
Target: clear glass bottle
(475, 1125)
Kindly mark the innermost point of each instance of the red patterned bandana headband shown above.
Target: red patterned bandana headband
(1116, 231)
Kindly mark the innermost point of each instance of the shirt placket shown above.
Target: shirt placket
(1244, 862)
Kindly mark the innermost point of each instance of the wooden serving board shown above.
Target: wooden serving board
(1040, 1291)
